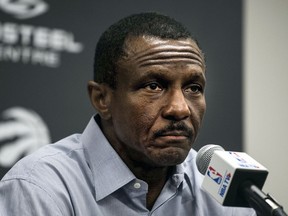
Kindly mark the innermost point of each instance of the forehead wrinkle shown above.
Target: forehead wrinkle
(173, 60)
(167, 53)
(170, 56)
(142, 51)
(160, 54)
(156, 49)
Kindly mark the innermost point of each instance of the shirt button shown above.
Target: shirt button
(137, 185)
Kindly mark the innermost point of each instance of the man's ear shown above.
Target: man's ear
(100, 96)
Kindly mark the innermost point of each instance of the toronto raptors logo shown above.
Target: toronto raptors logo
(24, 9)
(22, 131)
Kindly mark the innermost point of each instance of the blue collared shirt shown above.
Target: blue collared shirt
(83, 175)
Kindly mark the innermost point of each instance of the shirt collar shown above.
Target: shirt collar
(102, 158)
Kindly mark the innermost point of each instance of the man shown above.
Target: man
(135, 156)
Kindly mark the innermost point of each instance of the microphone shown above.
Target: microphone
(236, 179)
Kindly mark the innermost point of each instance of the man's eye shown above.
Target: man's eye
(195, 88)
(153, 86)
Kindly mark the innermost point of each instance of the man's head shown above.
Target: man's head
(151, 102)
(110, 45)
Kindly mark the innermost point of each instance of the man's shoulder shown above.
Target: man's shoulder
(48, 161)
(44, 178)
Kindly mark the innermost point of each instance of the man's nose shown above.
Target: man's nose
(176, 106)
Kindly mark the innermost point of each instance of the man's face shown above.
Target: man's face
(158, 104)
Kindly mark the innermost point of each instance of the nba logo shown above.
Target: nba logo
(214, 175)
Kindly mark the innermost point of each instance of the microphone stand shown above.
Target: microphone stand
(262, 203)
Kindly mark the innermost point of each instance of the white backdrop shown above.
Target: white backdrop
(265, 90)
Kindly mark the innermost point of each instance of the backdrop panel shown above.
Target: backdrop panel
(46, 58)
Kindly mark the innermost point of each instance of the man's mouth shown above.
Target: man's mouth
(179, 131)
(174, 135)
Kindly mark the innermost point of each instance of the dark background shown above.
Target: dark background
(59, 94)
